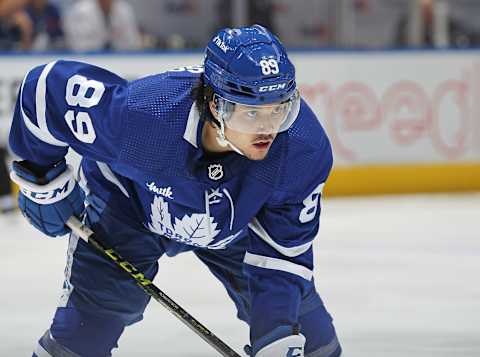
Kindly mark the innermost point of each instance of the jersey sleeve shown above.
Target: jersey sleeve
(279, 260)
(68, 104)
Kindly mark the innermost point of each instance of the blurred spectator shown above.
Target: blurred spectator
(467, 12)
(436, 28)
(177, 23)
(15, 34)
(46, 24)
(371, 23)
(101, 25)
(261, 12)
(7, 7)
(11, 35)
(299, 23)
(15, 26)
(305, 23)
(63, 5)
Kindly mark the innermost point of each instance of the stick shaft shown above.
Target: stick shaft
(85, 233)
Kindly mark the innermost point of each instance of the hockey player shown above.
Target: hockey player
(224, 160)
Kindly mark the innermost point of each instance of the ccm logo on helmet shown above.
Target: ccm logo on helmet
(272, 87)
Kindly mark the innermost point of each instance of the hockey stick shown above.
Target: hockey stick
(85, 233)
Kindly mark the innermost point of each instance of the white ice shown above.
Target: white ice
(400, 275)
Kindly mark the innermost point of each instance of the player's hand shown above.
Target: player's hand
(48, 196)
(279, 343)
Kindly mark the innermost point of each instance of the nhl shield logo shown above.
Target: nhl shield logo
(215, 172)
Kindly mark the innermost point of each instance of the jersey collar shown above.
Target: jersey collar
(192, 133)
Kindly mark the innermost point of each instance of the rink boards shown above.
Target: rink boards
(399, 121)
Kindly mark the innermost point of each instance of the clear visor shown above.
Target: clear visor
(259, 119)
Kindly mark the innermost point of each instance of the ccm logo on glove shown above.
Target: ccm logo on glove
(48, 196)
(53, 192)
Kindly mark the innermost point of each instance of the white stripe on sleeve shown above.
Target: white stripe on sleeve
(110, 176)
(257, 228)
(278, 264)
(41, 131)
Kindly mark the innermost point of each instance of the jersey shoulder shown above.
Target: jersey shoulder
(162, 94)
(299, 159)
(308, 154)
(306, 133)
(158, 109)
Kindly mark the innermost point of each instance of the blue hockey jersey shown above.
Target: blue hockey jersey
(142, 152)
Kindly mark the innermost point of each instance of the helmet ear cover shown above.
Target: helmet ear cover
(224, 108)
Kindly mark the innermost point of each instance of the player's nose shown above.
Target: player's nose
(266, 125)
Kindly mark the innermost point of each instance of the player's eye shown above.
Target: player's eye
(251, 114)
(277, 109)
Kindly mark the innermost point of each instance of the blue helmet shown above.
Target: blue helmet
(250, 66)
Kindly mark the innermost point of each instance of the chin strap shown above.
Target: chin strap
(222, 140)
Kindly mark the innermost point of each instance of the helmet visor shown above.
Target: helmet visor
(259, 119)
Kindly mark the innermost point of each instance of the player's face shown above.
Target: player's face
(253, 146)
(252, 129)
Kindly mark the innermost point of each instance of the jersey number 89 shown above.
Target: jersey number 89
(83, 93)
(310, 205)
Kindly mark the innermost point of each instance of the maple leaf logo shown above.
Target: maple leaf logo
(197, 229)
(161, 221)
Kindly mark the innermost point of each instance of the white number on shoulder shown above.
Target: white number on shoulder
(191, 69)
(311, 205)
(84, 93)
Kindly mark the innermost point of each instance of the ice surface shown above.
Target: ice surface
(400, 275)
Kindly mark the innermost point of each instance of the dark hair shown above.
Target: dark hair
(203, 93)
